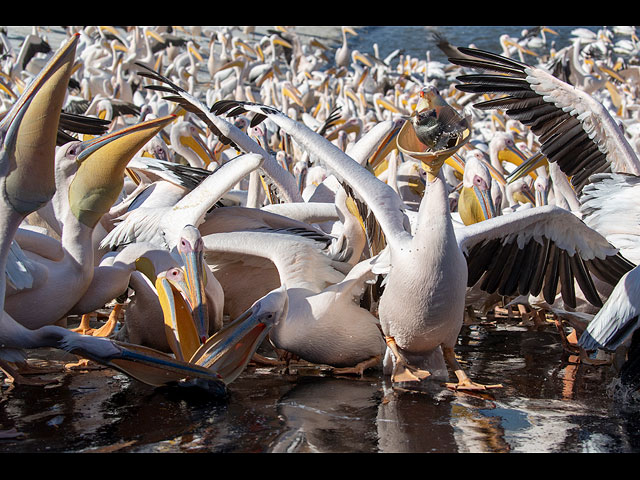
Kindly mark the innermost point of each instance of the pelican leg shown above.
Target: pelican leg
(566, 340)
(402, 371)
(464, 382)
(109, 327)
(359, 368)
(85, 324)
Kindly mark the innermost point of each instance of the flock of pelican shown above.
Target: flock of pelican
(233, 196)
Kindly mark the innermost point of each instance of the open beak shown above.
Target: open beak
(229, 350)
(103, 160)
(30, 131)
(181, 332)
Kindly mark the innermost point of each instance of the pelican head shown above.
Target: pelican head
(191, 249)
(520, 192)
(503, 148)
(101, 166)
(186, 135)
(229, 350)
(29, 131)
(181, 331)
(433, 132)
(475, 203)
(541, 190)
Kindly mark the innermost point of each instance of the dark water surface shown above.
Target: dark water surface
(548, 404)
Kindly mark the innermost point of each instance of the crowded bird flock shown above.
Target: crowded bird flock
(230, 196)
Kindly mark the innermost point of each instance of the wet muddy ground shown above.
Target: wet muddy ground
(548, 403)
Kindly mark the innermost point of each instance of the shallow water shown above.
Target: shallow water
(548, 404)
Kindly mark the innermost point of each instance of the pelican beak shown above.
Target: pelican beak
(457, 163)
(229, 350)
(541, 197)
(195, 143)
(362, 59)
(387, 105)
(529, 165)
(377, 162)
(196, 53)
(522, 49)
(179, 327)
(293, 94)
(475, 204)
(102, 163)
(246, 47)
(154, 35)
(351, 31)
(30, 130)
(281, 41)
(512, 154)
(151, 366)
(195, 282)
(549, 30)
(145, 266)
(612, 73)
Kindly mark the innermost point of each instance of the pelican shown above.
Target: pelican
(187, 142)
(162, 225)
(421, 309)
(320, 298)
(89, 178)
(343, 53)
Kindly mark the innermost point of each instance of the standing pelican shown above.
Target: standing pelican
(421, 309)
(343, 53)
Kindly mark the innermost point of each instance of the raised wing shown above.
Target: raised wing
(573, 128)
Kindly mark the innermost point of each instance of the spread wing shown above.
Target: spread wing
(540, 250)
(573, 128)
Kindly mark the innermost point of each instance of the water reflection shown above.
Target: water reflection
(549, 403)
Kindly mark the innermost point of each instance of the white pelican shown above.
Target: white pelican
(343, 53)
(187, 142)
(162, 225)
(324, 324)
(421, 309)
(89, 178)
